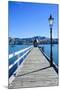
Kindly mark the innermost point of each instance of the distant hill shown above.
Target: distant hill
(41, 40)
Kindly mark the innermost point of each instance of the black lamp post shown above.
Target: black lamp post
(51, 19)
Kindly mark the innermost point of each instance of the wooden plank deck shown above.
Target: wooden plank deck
(36, 72)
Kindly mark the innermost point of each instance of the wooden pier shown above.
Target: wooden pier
(36, 72)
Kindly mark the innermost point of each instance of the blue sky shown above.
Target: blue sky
(31, 19)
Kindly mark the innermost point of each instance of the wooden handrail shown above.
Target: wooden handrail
(18, 52)
(18, 59)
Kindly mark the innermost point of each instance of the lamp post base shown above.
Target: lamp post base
(51, 64)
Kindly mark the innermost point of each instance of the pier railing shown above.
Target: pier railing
(16, 58)
(48, 58)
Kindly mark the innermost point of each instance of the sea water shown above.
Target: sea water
(15, 48)
(54, 51)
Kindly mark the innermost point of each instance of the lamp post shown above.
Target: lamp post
(51, 19)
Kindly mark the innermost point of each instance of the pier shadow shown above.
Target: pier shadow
(34, 71)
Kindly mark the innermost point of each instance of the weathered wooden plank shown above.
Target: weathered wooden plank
(36, 71)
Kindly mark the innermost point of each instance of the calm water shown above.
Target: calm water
(15, 48)
(54, 49)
